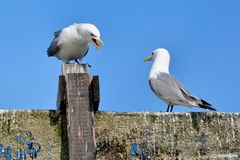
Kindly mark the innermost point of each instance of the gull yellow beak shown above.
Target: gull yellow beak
(98, 43)
(101, 42)
(147, 59)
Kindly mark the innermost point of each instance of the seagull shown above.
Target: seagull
(71, 43)
(167, 87)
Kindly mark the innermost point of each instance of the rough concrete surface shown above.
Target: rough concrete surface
(28, 134)
(127, 136)
(208, 135)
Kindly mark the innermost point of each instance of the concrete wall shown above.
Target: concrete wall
(29, 134)
(168, 135)
(125, 135)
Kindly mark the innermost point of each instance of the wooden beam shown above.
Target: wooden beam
(95, 93)
(78, 95)
(74, 68)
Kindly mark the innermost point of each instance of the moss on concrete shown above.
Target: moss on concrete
(167, 135)
(36, 123)
(131, 135)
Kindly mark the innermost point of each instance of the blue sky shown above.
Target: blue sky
(203, 38)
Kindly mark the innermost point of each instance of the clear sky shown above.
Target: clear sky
(203, 38)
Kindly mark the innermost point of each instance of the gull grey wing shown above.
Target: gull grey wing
(185, 92)
(188, 98)
(54, 47)
(168, 87)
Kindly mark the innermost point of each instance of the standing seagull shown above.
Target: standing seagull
(71, 43)
(167, 87)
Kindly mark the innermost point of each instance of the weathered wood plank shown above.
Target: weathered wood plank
(80, 117)
(74, 68)
(79, 96)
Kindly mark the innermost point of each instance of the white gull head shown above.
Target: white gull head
(88, 31)
(161, 60)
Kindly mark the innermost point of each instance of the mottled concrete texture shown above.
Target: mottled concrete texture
(209, 135)
(19, 128)
(127, 136)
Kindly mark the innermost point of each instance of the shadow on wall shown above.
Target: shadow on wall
(55, 115)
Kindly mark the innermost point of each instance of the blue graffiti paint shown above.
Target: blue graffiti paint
(32, 151)
(142, 152)
(101, 145)
(8, 153)
(144, 156)
(22, 154)
(135, 149)
(29, 134)
(1, 150)
(20, 139)
(25, 146)
(17, 154)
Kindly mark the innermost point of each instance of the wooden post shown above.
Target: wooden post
(78, 94)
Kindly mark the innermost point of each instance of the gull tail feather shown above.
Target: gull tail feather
(205, 105)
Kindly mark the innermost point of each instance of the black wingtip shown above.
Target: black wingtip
(206, 105)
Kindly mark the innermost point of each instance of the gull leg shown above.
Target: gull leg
(76, 61)
(171, 108)
(168, 108)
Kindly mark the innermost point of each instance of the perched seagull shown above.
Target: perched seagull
(71, 43)
(167, 87)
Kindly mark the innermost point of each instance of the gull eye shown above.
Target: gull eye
(92, 34)
(152, 53)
